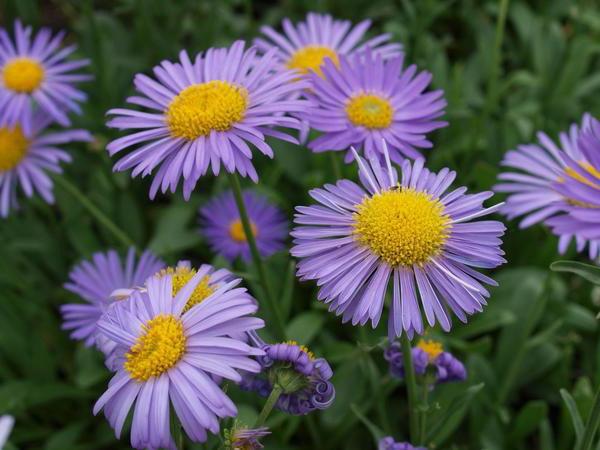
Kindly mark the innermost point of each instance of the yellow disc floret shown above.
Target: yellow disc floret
(160, 346)
(180, 276)
(23, 75)
(370, 111)
(402, 226)
(13, 147)
(432, 348)
(570, 172)
(237, 233)
(311, 58)
(201, 108)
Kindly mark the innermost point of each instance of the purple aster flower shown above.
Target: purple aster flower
(95, 281)
(6, 425)
(180, 274)
(427, 354)
(205, 113)
(222, 226)
(34, 73)
(366, 100)
(304, 47)
(402, 230)
(388, 443)
(303, 379)
(244, 438)
(26, 158)
(168, 354)
(537, 187)
(581, 188)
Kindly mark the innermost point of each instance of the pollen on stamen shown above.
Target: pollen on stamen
(403, 227)
(160, 346)
(201, 108)
(23, 75)
(370, 111)
(13, 147)
(433, 349)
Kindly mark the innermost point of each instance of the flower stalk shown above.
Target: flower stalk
(411, 387)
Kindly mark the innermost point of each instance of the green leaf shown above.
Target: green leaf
(452, 416)
(529, 419)
(573, 412)
(586, 271)
(172, 232)
(376, 432)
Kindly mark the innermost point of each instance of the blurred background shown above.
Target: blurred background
(503, 80)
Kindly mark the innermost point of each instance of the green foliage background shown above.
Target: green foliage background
(538, 335)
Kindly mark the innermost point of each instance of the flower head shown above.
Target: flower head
(206, 112)
(27, 156)
(540, 189)
(365, 99)
(95, 281)
(244, 438)
(580, 186)
(34, 73)
(304, 47)
(427, 354)
(388, 443)
(167, 355)
(404, 230)
(222, 226)
(303, 379)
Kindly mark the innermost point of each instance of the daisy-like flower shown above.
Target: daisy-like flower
(406, 231)
(305, 46)
(6, 425)
(365, 99)
(388, 443)
(26, 158)
(94, 282)
(244, 438)
(34, 72)
(303, 379)
(208, 112)
(425, 354)
(222, 226)
(538, 188)
(581, 187)
(168, 351)
(180, 275)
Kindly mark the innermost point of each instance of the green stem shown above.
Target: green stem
(258, 262)
(180, 440)
(591, 425)
(496, 55)
(102, 218)
(411, 386)
(335, 164)
(423, 413)
(269, 405)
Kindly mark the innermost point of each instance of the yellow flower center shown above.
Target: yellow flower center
(13, 147)
(180, 277)
(201, 108)
(569, 172)
(237, 233)
(370, 111)
(304, 348)
(23, 75)
(402, 226)
(160, 347)
(311, 58)
(432, 348)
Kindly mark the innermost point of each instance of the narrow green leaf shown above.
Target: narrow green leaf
(586, 271)
(573, 412)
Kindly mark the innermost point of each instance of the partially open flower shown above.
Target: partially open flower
(303, 379)
(427, 354)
